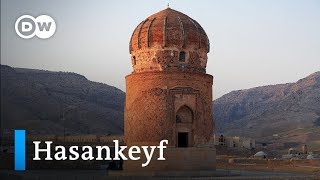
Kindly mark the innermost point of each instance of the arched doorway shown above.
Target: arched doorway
(184, 119)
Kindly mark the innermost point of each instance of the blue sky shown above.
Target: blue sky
(253, 43)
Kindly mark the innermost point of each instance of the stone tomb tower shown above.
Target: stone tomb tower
(169, 94)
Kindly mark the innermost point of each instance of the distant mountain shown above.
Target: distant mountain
(275, 113)
(45, 102)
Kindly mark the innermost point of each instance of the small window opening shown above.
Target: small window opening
(134, 60)
(182, 56)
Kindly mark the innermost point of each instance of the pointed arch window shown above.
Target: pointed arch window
(184, 115)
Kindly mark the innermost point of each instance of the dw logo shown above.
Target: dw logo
(27, 26)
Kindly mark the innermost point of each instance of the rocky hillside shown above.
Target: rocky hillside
(280, 113)
(45, 102)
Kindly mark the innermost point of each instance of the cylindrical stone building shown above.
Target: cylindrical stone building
(169, 94)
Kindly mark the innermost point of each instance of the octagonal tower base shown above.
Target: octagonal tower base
(184, 162)
(177, 159)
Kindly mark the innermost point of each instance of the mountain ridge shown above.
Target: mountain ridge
(47, 102)
(265, 112)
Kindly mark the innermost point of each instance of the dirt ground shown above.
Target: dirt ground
(308, 167)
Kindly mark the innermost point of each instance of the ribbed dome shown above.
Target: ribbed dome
(169, 28)
(172, 32)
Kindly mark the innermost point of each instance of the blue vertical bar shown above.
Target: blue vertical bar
(19, 150)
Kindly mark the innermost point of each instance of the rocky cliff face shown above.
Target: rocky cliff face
(45, 102)
(283, 113)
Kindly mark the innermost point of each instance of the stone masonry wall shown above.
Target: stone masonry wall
(151, 104)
